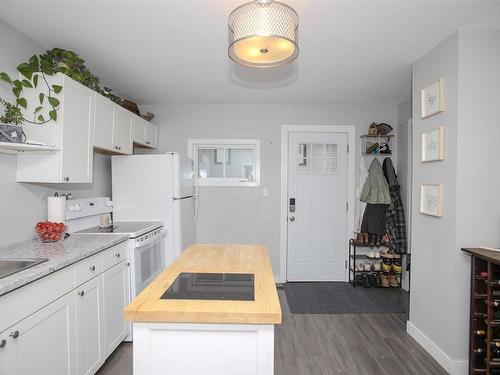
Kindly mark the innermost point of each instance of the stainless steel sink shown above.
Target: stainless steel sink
(10, 266)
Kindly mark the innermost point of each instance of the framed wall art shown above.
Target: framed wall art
(431, 199)
(433, 145)
(433, 99)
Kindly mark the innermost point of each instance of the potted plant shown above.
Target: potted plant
(10, 123)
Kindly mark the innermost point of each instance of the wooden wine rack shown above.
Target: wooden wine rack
(485, 279)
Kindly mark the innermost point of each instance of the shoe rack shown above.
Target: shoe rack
(354, 255)
(484, 335)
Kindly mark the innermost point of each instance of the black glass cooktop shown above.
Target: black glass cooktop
(212, 286)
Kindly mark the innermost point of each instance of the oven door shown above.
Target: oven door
(149, 261)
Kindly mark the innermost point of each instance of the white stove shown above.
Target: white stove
(146, 244)
(133, 228)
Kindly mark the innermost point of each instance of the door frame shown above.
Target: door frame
(350, 130)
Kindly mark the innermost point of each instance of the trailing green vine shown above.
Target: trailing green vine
(35, 72)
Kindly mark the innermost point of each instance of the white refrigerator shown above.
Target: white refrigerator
(157, 187)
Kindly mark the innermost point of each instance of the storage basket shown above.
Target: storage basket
(11, 133)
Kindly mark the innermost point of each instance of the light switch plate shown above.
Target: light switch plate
(265, 192)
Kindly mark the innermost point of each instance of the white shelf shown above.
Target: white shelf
(16, 148)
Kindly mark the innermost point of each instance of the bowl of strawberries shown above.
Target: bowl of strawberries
(48, 231)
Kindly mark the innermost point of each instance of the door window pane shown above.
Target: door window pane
(317, 158)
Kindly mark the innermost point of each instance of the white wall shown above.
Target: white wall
(469, 61)
(23, 205)
(233, 214)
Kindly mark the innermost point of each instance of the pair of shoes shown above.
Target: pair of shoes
(384, 281)
(374, 280)
(362, 239)
(396, 263)
(394, 281)
(386, 265)
(373, 254)
(363, 279)
(376, 266)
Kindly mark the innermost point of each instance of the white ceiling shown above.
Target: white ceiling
(166, 51)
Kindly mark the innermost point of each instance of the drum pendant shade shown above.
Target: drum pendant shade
(263, 34)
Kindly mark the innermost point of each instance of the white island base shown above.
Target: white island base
(208, 349)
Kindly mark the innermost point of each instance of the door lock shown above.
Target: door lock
(292, 218)
(291, 206)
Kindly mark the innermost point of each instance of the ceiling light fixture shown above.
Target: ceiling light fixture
(263, 34)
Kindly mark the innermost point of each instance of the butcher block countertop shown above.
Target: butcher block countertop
(265, 309)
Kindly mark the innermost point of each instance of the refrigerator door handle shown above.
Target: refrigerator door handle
(185, 197)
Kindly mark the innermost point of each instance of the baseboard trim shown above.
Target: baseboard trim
(451, 366)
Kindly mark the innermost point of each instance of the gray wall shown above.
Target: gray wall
(23, 205)
(469, 61)
(233, 214)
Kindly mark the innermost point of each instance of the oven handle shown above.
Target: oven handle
(150, 240)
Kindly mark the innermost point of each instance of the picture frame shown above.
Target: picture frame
(433, 145)
(431, 199)
(432, 99)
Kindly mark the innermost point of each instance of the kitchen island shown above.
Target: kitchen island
(212, 311)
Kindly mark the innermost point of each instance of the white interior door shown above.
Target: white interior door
(317, 184)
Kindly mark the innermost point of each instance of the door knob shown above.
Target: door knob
(292, 218)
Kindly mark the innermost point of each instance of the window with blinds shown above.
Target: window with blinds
(317, 158)
(226, 162)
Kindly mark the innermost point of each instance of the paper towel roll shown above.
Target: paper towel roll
(56, 209)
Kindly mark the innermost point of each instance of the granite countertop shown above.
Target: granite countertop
(60, 255)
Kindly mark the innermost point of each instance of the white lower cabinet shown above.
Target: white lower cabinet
(44, 343)
(116, 297)
(90, 326)
(70, 331)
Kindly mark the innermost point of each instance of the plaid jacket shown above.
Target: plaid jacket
(395, 222)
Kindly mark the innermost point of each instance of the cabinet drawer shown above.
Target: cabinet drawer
(114, 255)
(88, 268)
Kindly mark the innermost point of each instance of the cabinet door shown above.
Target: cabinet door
(116, 297)
(89, 326)
(45, 342)
(151, 135)
(78, 118)
(103, 123)
(139, 131)
(122, 131)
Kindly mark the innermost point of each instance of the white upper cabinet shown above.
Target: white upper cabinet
(71, 134)
(145, 133)
(122, 130)
(85, 120)
(103, 123)
(112, 127)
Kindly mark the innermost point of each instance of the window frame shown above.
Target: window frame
(254, 144)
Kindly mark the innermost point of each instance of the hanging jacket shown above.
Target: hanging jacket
(375, 189)
(395, 221)
(360, 206)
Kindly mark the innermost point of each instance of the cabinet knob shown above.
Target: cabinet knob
(14, 334)
(81, 293)
(66, 179)
(117, 255)
(92, 268)
(3, 343)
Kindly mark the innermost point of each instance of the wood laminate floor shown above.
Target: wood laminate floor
(329, 345)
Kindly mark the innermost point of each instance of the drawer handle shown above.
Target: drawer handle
(117, 255)
(81, 293)
(14, 334)
(3, 343)
(92, 268)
